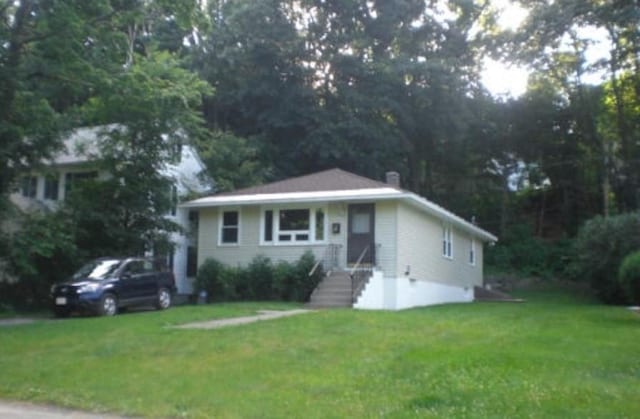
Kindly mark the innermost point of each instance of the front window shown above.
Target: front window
(230, 226)
(296, 225)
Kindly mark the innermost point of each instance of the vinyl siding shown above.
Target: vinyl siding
(385, 235)
(420, 249)
(248, 246)
(404, 236)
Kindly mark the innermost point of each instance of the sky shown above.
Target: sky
(505, 80)
(502, 79)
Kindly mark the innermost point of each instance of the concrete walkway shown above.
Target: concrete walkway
(17, 321)
(17, 410)
(236, 321)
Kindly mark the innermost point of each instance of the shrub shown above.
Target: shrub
(209, 279)
(260, 280)
(522, 253)
(283, 281)
(303, 284)
(629, 276)
(600, 246)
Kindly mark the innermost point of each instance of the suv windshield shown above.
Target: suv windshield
(98, 269)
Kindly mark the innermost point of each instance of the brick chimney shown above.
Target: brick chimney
(393, 179)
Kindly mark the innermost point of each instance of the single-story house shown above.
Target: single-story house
(414, 252)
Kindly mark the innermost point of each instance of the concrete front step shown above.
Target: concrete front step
(333, 291)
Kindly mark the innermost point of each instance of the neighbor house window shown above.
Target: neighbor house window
(192, 261)
(229, 227)
(299, 225)
(73, 178)
(173, 196)
(472, 251)
(51, 188)
(29, 186)
(447, 246)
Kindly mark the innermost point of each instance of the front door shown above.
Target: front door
(361, 233)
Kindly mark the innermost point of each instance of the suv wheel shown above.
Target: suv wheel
(108, 305)
(61, 313)
(164, 299)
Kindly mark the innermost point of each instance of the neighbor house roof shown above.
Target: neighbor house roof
(81, 146)
(333, 185)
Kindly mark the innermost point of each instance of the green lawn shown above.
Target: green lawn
(549, 357)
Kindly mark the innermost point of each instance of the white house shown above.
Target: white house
(413, 251)
(76, 160)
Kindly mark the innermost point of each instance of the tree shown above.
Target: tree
(560, 28)
(101, 63)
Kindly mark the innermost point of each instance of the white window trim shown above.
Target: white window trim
(472, 252)
(221, 212)
(447, 241)
(276, 226)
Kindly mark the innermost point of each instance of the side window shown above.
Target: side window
(472, 251)
(447, 242)
(147, 266)
(135, 267)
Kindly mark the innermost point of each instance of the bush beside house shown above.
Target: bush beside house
(260, 280)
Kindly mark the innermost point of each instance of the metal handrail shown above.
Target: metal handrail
(356, 275)
(315, 267)
(329, 260)
(359, 261)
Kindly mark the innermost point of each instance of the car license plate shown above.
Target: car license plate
(61, 301)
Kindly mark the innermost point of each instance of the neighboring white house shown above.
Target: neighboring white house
(418, 252)
(44, 190)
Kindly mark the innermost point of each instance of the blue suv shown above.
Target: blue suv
(105, 285)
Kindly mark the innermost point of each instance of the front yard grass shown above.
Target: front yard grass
(552, 356)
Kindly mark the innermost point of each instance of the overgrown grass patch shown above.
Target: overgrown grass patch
(551, 356)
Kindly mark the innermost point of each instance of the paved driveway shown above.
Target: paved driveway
(16, 410)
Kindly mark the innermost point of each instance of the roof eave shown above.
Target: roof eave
(382, 194)
(290, 198)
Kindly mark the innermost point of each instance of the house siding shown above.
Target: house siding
(420, 250)
(385, 236)
(249, 245)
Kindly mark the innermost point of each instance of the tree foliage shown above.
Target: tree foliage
(601, 245)
(629, 276)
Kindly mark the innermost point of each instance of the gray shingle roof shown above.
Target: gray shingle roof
(328, 180)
